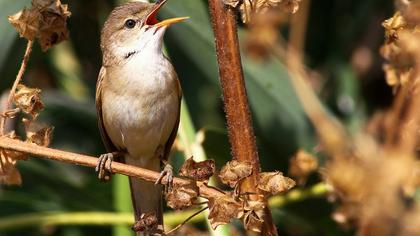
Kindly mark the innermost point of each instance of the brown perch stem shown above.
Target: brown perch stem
(239, 123)
(84, 160)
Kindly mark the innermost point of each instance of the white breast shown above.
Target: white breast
(140, 105)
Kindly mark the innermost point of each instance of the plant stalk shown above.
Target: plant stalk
(238, 117)
(84, 160)
(19, 76)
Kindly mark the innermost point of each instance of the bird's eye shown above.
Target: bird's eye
(130, 23)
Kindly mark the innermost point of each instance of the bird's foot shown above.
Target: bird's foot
(168, 172)
(104, 166)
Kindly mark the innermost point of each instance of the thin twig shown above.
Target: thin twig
(239, 122)
(185, 221)
(84, 160)
(16, 83)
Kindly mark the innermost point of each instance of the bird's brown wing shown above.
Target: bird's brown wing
(110, 147)
(98, 98)
(172, 137)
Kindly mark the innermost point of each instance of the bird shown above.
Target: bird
(138, 99)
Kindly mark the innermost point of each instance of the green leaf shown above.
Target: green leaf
(8, 33)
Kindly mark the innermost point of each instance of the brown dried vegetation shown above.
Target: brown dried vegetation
(302, 164)
(199, 171)
(365, 171)
(250, 7)
(46, 21)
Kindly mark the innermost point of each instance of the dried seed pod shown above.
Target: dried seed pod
(148, 222)
(249, 8)
(26, 23)
(401, 48)
(199, 171)
(253, 215)
(28, 100)
(275, 182)
(394, 25)
(9, 174)
(223, 210)
(301, 165)
(37, 133)
(45, 20)
(182, 196)
(234, 171)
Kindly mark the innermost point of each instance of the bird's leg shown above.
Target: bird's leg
(167, 171)
(104, 170)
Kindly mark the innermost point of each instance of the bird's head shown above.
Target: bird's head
(133, 28)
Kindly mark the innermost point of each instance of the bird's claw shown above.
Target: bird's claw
(168, 172)
(104, 170)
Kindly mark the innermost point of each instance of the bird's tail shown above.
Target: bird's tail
(145, 195)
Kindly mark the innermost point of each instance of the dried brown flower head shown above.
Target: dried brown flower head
(302, 164)
(235, 171)
(393, 26)
(182, 196)
(223, 210)
(9, 174)
(199, 171)
(28, 100)
(274, 182)
(401, 48)
(148, 222)
(40, 134)
(253, 215)
(45, 20)
(249, 8)
(360, 181)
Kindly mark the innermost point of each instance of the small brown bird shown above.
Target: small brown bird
(137, 99)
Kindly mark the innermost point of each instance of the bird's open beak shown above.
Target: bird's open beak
(151, 18)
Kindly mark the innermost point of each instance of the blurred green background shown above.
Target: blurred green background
(342, 43)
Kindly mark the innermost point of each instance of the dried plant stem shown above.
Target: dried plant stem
(298, 25)
(404, 117)
(239, 123)
(84, 160)
(15, 84)
(241, 133)
(186, 220)
(332, 134)
(410, 128)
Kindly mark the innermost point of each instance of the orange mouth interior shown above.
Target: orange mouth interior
(153, 21)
